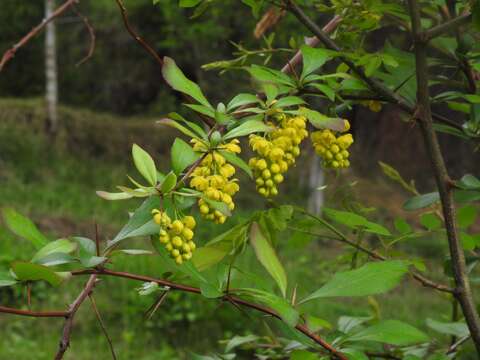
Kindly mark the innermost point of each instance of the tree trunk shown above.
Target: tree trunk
(51, 85)
(316, 179)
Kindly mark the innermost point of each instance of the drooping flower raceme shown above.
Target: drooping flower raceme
(176, 235)
(214, 178)
(276, 151)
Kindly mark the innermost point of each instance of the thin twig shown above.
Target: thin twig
(97, 240)
(153, 309)
(10, 53)
(91, 33)
(134, 34)
(102, 325)
(452, 349)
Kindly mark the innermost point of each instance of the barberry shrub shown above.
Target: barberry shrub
(273, 124)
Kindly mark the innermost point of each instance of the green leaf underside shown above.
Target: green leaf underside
(139, 219)
(421, 201)
(268, 257)
(58, 246)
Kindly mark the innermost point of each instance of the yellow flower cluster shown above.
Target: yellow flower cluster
(276, 151)
(177, 235)
(213, 177)
(331, 148)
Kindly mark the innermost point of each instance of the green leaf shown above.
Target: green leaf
(178, 81)
(23, 227)
(347, 324)
(353, 220)
(288, 101)
(58, 246)
(466, 216)
(168, 184)
(6, 279)
(392, 332)
(139, 219)
(189, 3)
(114, 196)
(242, 99)
(325, 89)
(182, 155)
(402, 226)
(267, 257)
(54, 259)
(286, 312)
(313, 59)
(28, 271)
(265, 74)
(303, 355)
(239, 340)
(178, 126)
(421, 201)
(202, 109)
(354, 354)
(370, 279)
(133, 252)
(210, 291)
(207, 256)
(237, 161)
(246, 128)
(218, 205)
(458, 329)
(430, 221)
(469, 182)
(87, 245)
(144, 164)
(195, 127)
(321, 121)
(88, 251)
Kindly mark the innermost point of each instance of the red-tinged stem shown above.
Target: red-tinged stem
(229, 298)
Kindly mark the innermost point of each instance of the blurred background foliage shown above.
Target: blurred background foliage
(112, 101)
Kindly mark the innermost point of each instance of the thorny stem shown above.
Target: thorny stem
(67, 328)
(229, 298)
(424, 115)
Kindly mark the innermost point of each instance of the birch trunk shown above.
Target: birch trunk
(51, 81)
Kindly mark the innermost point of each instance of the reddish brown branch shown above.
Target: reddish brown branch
(10, 53)
(29, 313)
(67, 328)
(134, 34)
(175, 286)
